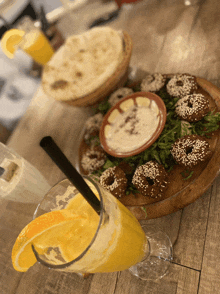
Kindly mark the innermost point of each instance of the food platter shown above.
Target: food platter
(181, 191)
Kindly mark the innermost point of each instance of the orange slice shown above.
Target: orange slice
(10, 41)
(52, 229)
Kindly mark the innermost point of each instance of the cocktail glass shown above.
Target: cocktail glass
(118, 243)
(34, 42)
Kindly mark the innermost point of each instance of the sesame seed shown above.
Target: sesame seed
(153, 83)
(192, 107)
(154, 172)
(93, 160)
(181, 85)
(199, 150)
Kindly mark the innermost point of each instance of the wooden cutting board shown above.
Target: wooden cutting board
(180, 192)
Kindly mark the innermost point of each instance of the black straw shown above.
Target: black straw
(69, 170)
(2, 170)
(43, 19)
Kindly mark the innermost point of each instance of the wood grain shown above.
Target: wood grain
(210, 267)
(13, 218)
(48, 117)
(103, 283)
(180, 280)
(46, 281)
(189, 248)
(167, 37)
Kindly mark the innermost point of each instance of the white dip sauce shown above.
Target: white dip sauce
(133, 128)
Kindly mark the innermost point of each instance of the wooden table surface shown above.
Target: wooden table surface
(168, 37)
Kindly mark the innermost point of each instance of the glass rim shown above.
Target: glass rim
(101, 217)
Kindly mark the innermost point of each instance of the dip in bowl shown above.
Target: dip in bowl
(133, 124)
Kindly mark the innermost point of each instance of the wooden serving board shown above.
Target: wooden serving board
(180, 192)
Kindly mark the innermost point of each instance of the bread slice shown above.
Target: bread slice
(83, 64)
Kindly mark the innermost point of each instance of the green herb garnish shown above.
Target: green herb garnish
(160, 150)
(104, 107)
(145, 211)
(108, 164)
(187, 174)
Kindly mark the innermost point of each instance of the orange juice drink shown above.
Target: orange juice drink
(83, 241)
(29, 38)
(37, 46)
(34, 42)
(119, 242)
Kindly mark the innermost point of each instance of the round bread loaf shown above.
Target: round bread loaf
(83, 64)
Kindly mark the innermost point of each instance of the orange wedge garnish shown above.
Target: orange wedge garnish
(10, 41)
(46, 231)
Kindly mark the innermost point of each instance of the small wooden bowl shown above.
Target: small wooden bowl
(107, 121)
(117, 80)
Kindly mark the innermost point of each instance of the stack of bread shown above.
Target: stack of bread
(88, 67)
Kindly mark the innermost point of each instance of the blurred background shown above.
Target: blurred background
(20, 77)
(12, 10)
